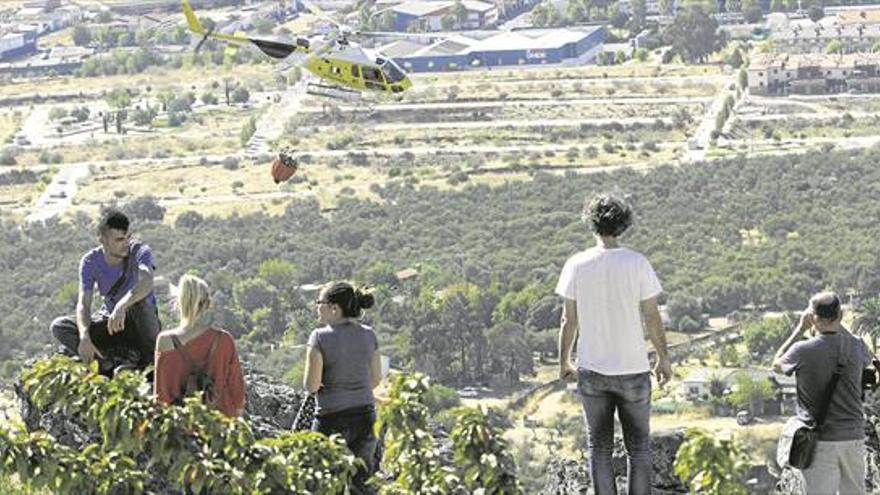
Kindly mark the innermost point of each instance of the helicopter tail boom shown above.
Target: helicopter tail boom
(194, 24)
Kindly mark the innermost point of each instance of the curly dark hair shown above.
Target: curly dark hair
(607, 215)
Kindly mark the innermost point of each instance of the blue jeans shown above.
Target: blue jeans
(630, 396)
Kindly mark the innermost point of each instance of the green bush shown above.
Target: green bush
(196, 446)
(709, 465)
(440, 397)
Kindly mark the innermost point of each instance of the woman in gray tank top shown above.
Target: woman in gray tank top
(342, 368)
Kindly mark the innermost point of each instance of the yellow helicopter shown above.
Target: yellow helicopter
(346, 66)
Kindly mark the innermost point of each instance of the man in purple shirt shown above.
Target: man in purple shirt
(124, 330)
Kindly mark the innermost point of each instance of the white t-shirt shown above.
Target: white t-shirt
(608, 285)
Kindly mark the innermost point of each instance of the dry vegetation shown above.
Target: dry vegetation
(494, 127)
(156, 78)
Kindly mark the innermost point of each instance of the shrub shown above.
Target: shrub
(230, 163)
(57, 113)
(248, 131)
(240, 95)
(7, 158)
(176, 119)
(711, 465)
(197, 447)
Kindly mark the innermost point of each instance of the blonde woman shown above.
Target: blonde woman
(198, 357)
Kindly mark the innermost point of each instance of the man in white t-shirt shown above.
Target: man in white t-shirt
(608, 290)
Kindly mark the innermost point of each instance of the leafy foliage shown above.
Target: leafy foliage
(750, 393)
(410, 454)
(763, 337)
(710, 465)
(483, 456)
(694, 34)
(195, 446)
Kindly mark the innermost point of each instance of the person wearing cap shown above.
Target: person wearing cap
(838, 464)
(608, 291)
(343, 366)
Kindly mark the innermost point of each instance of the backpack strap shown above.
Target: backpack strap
(843, 351)
(178, 346)
(133, 249)
(185, 355)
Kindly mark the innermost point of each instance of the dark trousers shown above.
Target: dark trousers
(136, 344)
(356, 427)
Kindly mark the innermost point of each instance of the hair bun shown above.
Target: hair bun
(364, 299)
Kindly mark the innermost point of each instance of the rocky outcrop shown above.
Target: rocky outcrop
(271, 408)
(568, 477)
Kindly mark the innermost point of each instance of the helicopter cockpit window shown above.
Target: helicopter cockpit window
(372, 74)
(392, 72)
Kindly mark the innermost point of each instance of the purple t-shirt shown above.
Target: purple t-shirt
(93, 269)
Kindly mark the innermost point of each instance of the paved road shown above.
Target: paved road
(696, 147)
(270, 125)
(58, 196)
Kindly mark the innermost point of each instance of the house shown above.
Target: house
(698, 384)
(810, 73)
(420, 15)
(806, 36)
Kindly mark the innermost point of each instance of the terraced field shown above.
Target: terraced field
(449, 131)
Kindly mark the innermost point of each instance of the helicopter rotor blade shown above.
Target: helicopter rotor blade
(394, 34)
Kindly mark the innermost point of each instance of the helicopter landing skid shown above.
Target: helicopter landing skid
(334, 92)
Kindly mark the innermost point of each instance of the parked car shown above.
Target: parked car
(744, 418)
(468, 392)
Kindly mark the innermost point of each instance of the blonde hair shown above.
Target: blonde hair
(193, 299)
